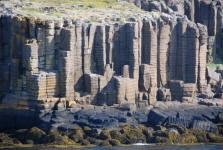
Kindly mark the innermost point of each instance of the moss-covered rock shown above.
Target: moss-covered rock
(159, 139)
(220, 129)
(104, 143)
(132, 134)
(115, 134)
(199, 134)
(36, 135)
(161, 133)
(159, 128)
(28, 141)
(187, 139)
(114, 142)
(20, 135)
(215, 138)
(76, 134)
(92, 132)
(84, 142)
(93, 141)
(5, 140)
(180, 129)
(55, 138)
(104, 135)
(173, 137)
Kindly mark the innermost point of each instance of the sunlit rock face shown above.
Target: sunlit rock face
(88, 67)
(102, 64)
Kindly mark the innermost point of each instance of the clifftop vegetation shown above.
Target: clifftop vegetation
(99, 11)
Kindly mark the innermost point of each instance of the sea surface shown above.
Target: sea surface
(197, 147)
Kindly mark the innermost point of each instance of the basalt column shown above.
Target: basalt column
(78, 70)
(132, 45)
(202, 58)
(99, 50)
(88, 34)
(4, 53)
(212, 20)
(163, 50)
(172, 54)
(30, 61)
(148, 69)
(190, 62)
(5, 32)
(40, 35)
(66, 63)
(182, 47)
(17, 40)
(49, 45)
(121, 52)
(109, 43)
(219, 36)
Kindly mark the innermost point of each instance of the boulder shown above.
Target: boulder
(164, 94)
(155, 6)
(185, 115)
(208, 94)
(212, 76)
(220, 117)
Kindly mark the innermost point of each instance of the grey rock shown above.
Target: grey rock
(172, 130)
(188, 116)
(212, 75)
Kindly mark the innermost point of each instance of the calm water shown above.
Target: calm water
(200, 147)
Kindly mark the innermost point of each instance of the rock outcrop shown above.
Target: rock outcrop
(100, 64)
(206, 12)
(48, 66)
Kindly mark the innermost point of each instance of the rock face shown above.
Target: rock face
(185, 115)
(50, 66)
(100, 64)
(206, 12)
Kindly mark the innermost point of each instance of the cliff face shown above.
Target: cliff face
(53, 71)
(206, 12)
(102, 64)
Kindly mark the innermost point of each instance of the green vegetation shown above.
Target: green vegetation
(218, 63)
(209, 52)
(127, 134)
(95, 3)
(88, 10)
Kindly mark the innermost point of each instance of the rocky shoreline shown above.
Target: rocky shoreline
(144, 72)
(127, 135)
(163, 123)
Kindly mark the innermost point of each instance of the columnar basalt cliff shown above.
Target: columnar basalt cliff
(102, 64)
(206, 12)
(56, 66)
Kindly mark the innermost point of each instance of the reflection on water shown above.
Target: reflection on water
(198, 147)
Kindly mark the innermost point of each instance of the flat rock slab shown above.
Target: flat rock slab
(93, 116)
(186, 115)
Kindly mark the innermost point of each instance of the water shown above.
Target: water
(198, 147)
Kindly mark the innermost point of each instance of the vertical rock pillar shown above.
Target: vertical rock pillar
(182, 43)
(99, 50)
(66, 62)
(163, 47)
(191, 54)
(148, 69)
(88, 34)
(132, 46)
(50, 45)
(202, 58)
